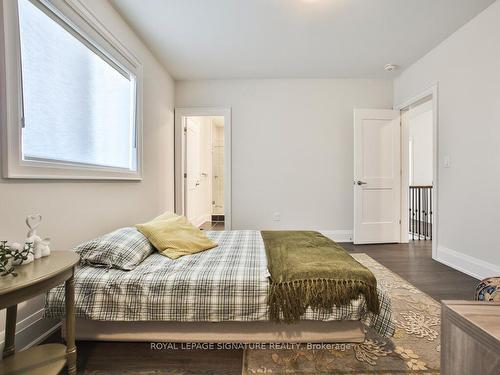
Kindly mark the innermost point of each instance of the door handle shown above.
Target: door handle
(359, 183)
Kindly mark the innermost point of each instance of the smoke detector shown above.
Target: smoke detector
(390, 67)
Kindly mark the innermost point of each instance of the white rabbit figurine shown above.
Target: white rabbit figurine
(37, 250)
(43, 245)
(40, 246)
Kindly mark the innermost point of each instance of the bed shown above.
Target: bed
(219, 295)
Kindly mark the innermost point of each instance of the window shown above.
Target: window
(78, 107)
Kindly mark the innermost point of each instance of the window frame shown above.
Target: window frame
(81, 23)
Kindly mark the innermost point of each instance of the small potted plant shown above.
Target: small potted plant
(14, 255)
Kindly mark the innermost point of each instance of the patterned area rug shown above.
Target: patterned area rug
(414, 349)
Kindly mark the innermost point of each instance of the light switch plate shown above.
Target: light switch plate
(447, 161)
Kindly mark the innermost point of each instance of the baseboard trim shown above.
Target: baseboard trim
(466, 264)
(32, 330)
(37, 340)
(338, 235)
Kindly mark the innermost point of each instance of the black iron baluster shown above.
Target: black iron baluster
(431, 211)
(425, 213)
(409, 210)
(415, 220)
(413, 214)
(429, 192)
(419, 211)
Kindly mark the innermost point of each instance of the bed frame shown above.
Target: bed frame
(348, 331)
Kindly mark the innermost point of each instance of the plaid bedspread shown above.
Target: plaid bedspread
(227, 283)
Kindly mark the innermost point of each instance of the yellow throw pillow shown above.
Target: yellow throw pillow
(174, 236)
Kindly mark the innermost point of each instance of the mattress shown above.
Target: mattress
(227, 283)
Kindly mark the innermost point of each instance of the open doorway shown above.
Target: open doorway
(419, 132)
(202, 167)
(396, 174)
(420, 172)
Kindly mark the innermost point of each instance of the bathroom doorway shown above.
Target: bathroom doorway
(202, 188)
(217, 150)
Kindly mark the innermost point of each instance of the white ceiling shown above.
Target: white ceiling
(211, 39)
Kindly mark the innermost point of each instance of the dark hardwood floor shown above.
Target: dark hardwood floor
(411, 261)
(138, 358)
(212, 225)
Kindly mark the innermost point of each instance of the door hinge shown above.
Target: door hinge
(185, 175)
(399, 221)
(185, 129)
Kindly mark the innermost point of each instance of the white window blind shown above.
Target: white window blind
(78, 104)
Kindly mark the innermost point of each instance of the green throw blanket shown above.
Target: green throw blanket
(309, 270)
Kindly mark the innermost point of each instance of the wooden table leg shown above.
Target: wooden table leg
(10, 331)
(70, 325)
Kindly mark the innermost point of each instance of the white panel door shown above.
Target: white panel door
(377, 176)
(192, 178)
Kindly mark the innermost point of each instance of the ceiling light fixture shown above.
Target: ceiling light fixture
(390, 67)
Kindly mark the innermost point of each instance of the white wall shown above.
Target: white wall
(420, 129)
(74, 211)
(218, 166)
(292, 146)
(467, 67)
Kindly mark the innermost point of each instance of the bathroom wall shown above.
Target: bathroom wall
(218, 166)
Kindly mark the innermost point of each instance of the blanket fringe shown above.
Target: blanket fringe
(288, 301)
